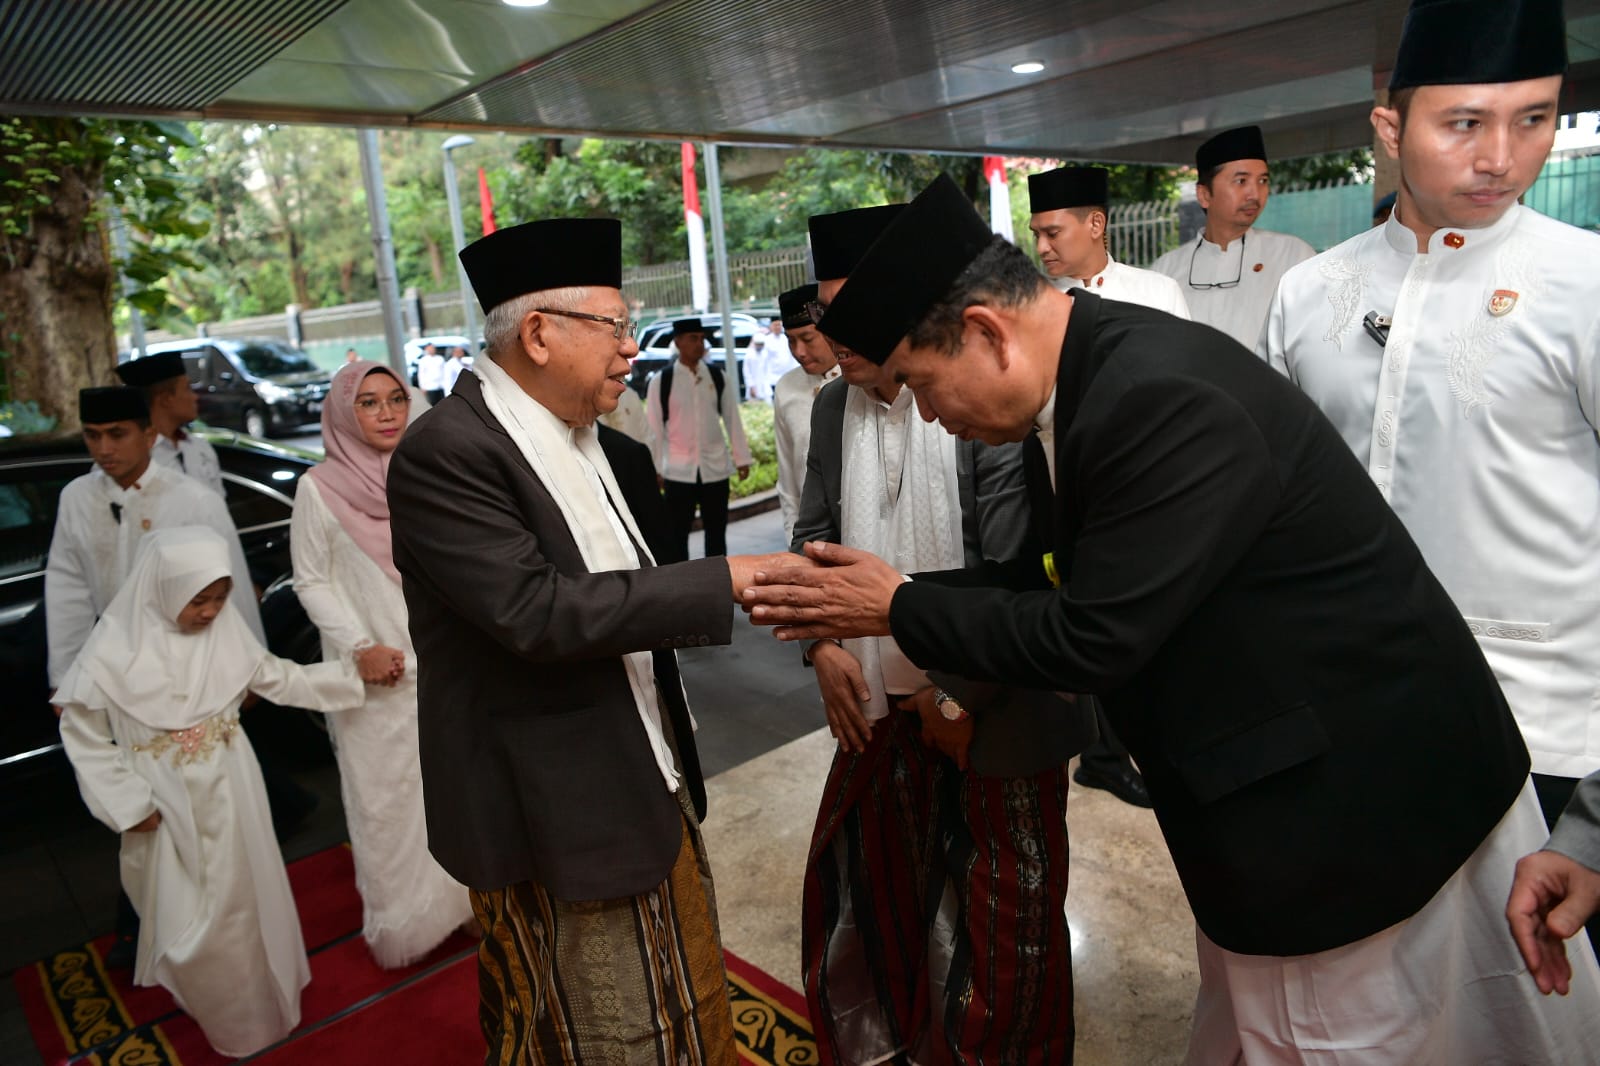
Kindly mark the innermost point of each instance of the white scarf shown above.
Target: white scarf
(138, 661)
(919, 531)
(571, 465)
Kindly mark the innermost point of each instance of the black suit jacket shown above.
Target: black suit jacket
(635, 470)
(534, 763)
(1017, 732)
(1322, 739)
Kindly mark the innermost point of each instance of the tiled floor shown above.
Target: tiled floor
(763, 745)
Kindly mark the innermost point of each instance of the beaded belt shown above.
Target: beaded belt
(194, 744)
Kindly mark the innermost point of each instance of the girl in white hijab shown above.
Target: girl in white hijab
(151, 723)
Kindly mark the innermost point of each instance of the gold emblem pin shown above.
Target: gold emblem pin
(1501, 303)
(145, 525)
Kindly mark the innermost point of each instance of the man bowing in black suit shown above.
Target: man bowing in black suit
(560, 779)
(1336, 773)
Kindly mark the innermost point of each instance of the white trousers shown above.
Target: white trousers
(1446, 987)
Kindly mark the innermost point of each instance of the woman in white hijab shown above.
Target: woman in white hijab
(151, 723)
(345, 576)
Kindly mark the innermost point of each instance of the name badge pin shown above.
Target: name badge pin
(1501, 303)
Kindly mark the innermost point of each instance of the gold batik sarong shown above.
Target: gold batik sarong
(636, 981)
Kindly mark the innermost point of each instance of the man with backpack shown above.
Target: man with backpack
(689, 403)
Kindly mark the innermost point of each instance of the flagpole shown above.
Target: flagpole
(719, 239)
(994, 169)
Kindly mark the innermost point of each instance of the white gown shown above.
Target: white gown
(792, 398)
(1258, 266)
(409, 903)
(1118, 281)
(218, 927)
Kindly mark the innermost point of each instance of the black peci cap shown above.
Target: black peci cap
(792, 307)
(839, 240)
(907, 270)
(553, 253)
(1069, 187)
(1480, 42)
(113, 403)
(1245, 142)
(152, 369)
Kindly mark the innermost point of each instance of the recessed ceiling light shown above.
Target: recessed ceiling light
(525, 3)
(1017, 68)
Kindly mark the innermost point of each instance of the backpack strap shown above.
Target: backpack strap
(666, 390)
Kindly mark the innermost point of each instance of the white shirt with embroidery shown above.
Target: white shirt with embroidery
(689, 441)
(1118, 281)
(1257, 264)
(792, 398)
(193, 456)
(1477, 420)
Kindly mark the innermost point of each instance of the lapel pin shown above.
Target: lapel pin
(1501, 303)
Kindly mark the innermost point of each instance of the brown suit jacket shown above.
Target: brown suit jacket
(535, 766)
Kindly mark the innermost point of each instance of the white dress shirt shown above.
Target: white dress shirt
(1477, 420)
(190, 455)
(430, 372)
(448, 375)
(1258, 260)
(792, 399)
(629, 417)
(1118, 281)
(96, 539)
(690, 444)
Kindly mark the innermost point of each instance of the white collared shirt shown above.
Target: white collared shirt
(1477, 420)
(193, 456)
(690, 445)
(1044, 424)
(1118, 281)
(1258, 264)
(430, 372)
(792, 399)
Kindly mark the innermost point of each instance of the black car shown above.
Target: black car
(260, 480)
(656, 351)
(260, 385)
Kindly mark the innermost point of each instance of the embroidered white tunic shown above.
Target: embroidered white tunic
(193, 456)
(792, 398)
(1258, 265)
(92, 551)
(1478, 423)
(1118, 281)
(692, 444)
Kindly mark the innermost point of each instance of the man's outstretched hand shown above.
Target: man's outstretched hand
(742, 569)
(1551, 897)
(847, 596)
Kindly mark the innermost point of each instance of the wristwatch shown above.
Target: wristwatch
(950, 708)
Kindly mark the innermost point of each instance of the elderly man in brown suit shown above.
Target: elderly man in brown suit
(558, 760)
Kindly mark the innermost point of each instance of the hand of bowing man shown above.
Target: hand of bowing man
(847, 596)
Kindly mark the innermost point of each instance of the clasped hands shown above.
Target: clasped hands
(833, 592)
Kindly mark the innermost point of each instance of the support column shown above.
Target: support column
(394, 333)
(1388, 16)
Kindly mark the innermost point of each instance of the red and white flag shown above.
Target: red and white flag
(994, 169)
(485, 202)
(699, 276)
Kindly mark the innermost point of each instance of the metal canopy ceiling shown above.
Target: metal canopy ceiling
(1138, 80)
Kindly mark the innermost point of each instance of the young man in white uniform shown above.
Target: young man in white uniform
(793, 396)
(173, 406)
(1071, 209)
(1457, 349)
(1231, 270)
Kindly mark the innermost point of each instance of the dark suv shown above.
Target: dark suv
(259, 385)
(260, 480)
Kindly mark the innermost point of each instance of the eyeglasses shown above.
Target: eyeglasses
(1238, 274)
(815, 309)
(620, 327)
(369, 404)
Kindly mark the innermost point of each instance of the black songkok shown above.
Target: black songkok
(1480, 42)
(792, 307)
(114, 403)
(1242, 143)
(1069, 187)
(152, 369)
(553, 253)
(839, 240)
(687, 325)
(906, 271)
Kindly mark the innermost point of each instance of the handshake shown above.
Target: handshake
(831, 591)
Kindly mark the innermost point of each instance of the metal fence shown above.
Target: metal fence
(754, 279)
(1142, 233)
(1569, 189)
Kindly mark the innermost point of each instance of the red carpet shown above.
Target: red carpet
(352, 1013)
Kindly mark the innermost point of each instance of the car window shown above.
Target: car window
(265, 360)
(28, 499)
(198, 364)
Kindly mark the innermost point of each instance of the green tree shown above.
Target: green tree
(58, 278)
